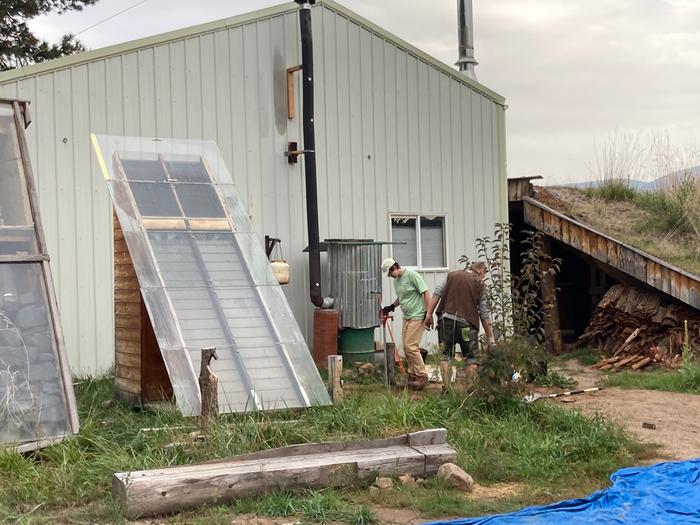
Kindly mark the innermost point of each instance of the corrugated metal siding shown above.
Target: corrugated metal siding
(394, 134)
(397, 135)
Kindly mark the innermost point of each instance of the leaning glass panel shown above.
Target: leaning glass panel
(32, 397)
(214, 285)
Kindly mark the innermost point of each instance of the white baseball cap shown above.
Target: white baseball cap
(387, 264)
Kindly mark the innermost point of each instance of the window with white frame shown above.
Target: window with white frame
(424, 239)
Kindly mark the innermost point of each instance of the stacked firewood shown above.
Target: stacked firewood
(634, 328)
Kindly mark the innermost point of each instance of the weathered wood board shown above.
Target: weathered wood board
(321, 465)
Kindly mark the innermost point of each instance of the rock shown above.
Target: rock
(407, 480)
(383, 483)
(456, 477)
(366, 369)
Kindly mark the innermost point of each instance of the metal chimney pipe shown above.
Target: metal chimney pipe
(307, 64)
(465, 31)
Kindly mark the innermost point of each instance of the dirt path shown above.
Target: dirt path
(676, 416)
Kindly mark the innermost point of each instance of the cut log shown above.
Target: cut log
(626, 360)
(608, 361)
(642, 363)
(164, 491)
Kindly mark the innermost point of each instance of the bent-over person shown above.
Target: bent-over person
(461, 304)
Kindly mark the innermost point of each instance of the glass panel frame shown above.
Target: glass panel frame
(37, 402)
(209, 282)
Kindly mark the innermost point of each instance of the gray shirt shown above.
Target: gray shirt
(484, 311)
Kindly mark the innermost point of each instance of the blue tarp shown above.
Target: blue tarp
(665, 493)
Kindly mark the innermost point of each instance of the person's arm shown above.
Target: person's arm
(427, 302)
(432, 304)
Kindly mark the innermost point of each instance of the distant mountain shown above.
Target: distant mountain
(693, 172)
(636, 184)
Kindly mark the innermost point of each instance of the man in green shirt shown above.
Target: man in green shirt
(413, 297)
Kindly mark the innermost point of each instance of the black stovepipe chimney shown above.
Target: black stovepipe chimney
(309, 147)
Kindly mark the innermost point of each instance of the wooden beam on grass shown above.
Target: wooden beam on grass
(314, 466)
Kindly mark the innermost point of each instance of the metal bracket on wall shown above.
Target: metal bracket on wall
(293, 152)
(270, 245)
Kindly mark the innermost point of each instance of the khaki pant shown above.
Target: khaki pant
(411, 334)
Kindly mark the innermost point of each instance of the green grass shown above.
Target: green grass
(612, 190)
(671, 229)
(538, 444)
(685, 379)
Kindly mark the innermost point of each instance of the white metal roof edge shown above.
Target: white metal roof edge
(141, 43)
(180, 34)
(374, 28)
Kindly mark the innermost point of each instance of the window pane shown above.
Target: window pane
(432, 239)
(155, 199)
(199, 200)
(404, 230)
(14, 204)
(150, 170)
(32, 403)
(187, 171)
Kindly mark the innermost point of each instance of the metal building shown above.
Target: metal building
(407, 147)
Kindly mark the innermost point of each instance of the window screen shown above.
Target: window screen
(432, 237)
(403, 230)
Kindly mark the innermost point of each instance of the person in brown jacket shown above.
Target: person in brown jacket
(461, 306)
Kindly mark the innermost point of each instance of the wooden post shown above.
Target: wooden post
(335, 384)
(208, 387)
(552, 324)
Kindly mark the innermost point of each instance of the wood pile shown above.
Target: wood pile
(635, 328)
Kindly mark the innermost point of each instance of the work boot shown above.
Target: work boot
(418, 381)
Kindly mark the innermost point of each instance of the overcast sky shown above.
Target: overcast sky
(573, 71)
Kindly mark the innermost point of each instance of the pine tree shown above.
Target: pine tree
(19, 46)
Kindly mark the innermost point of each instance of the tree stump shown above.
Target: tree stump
(208, 383)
